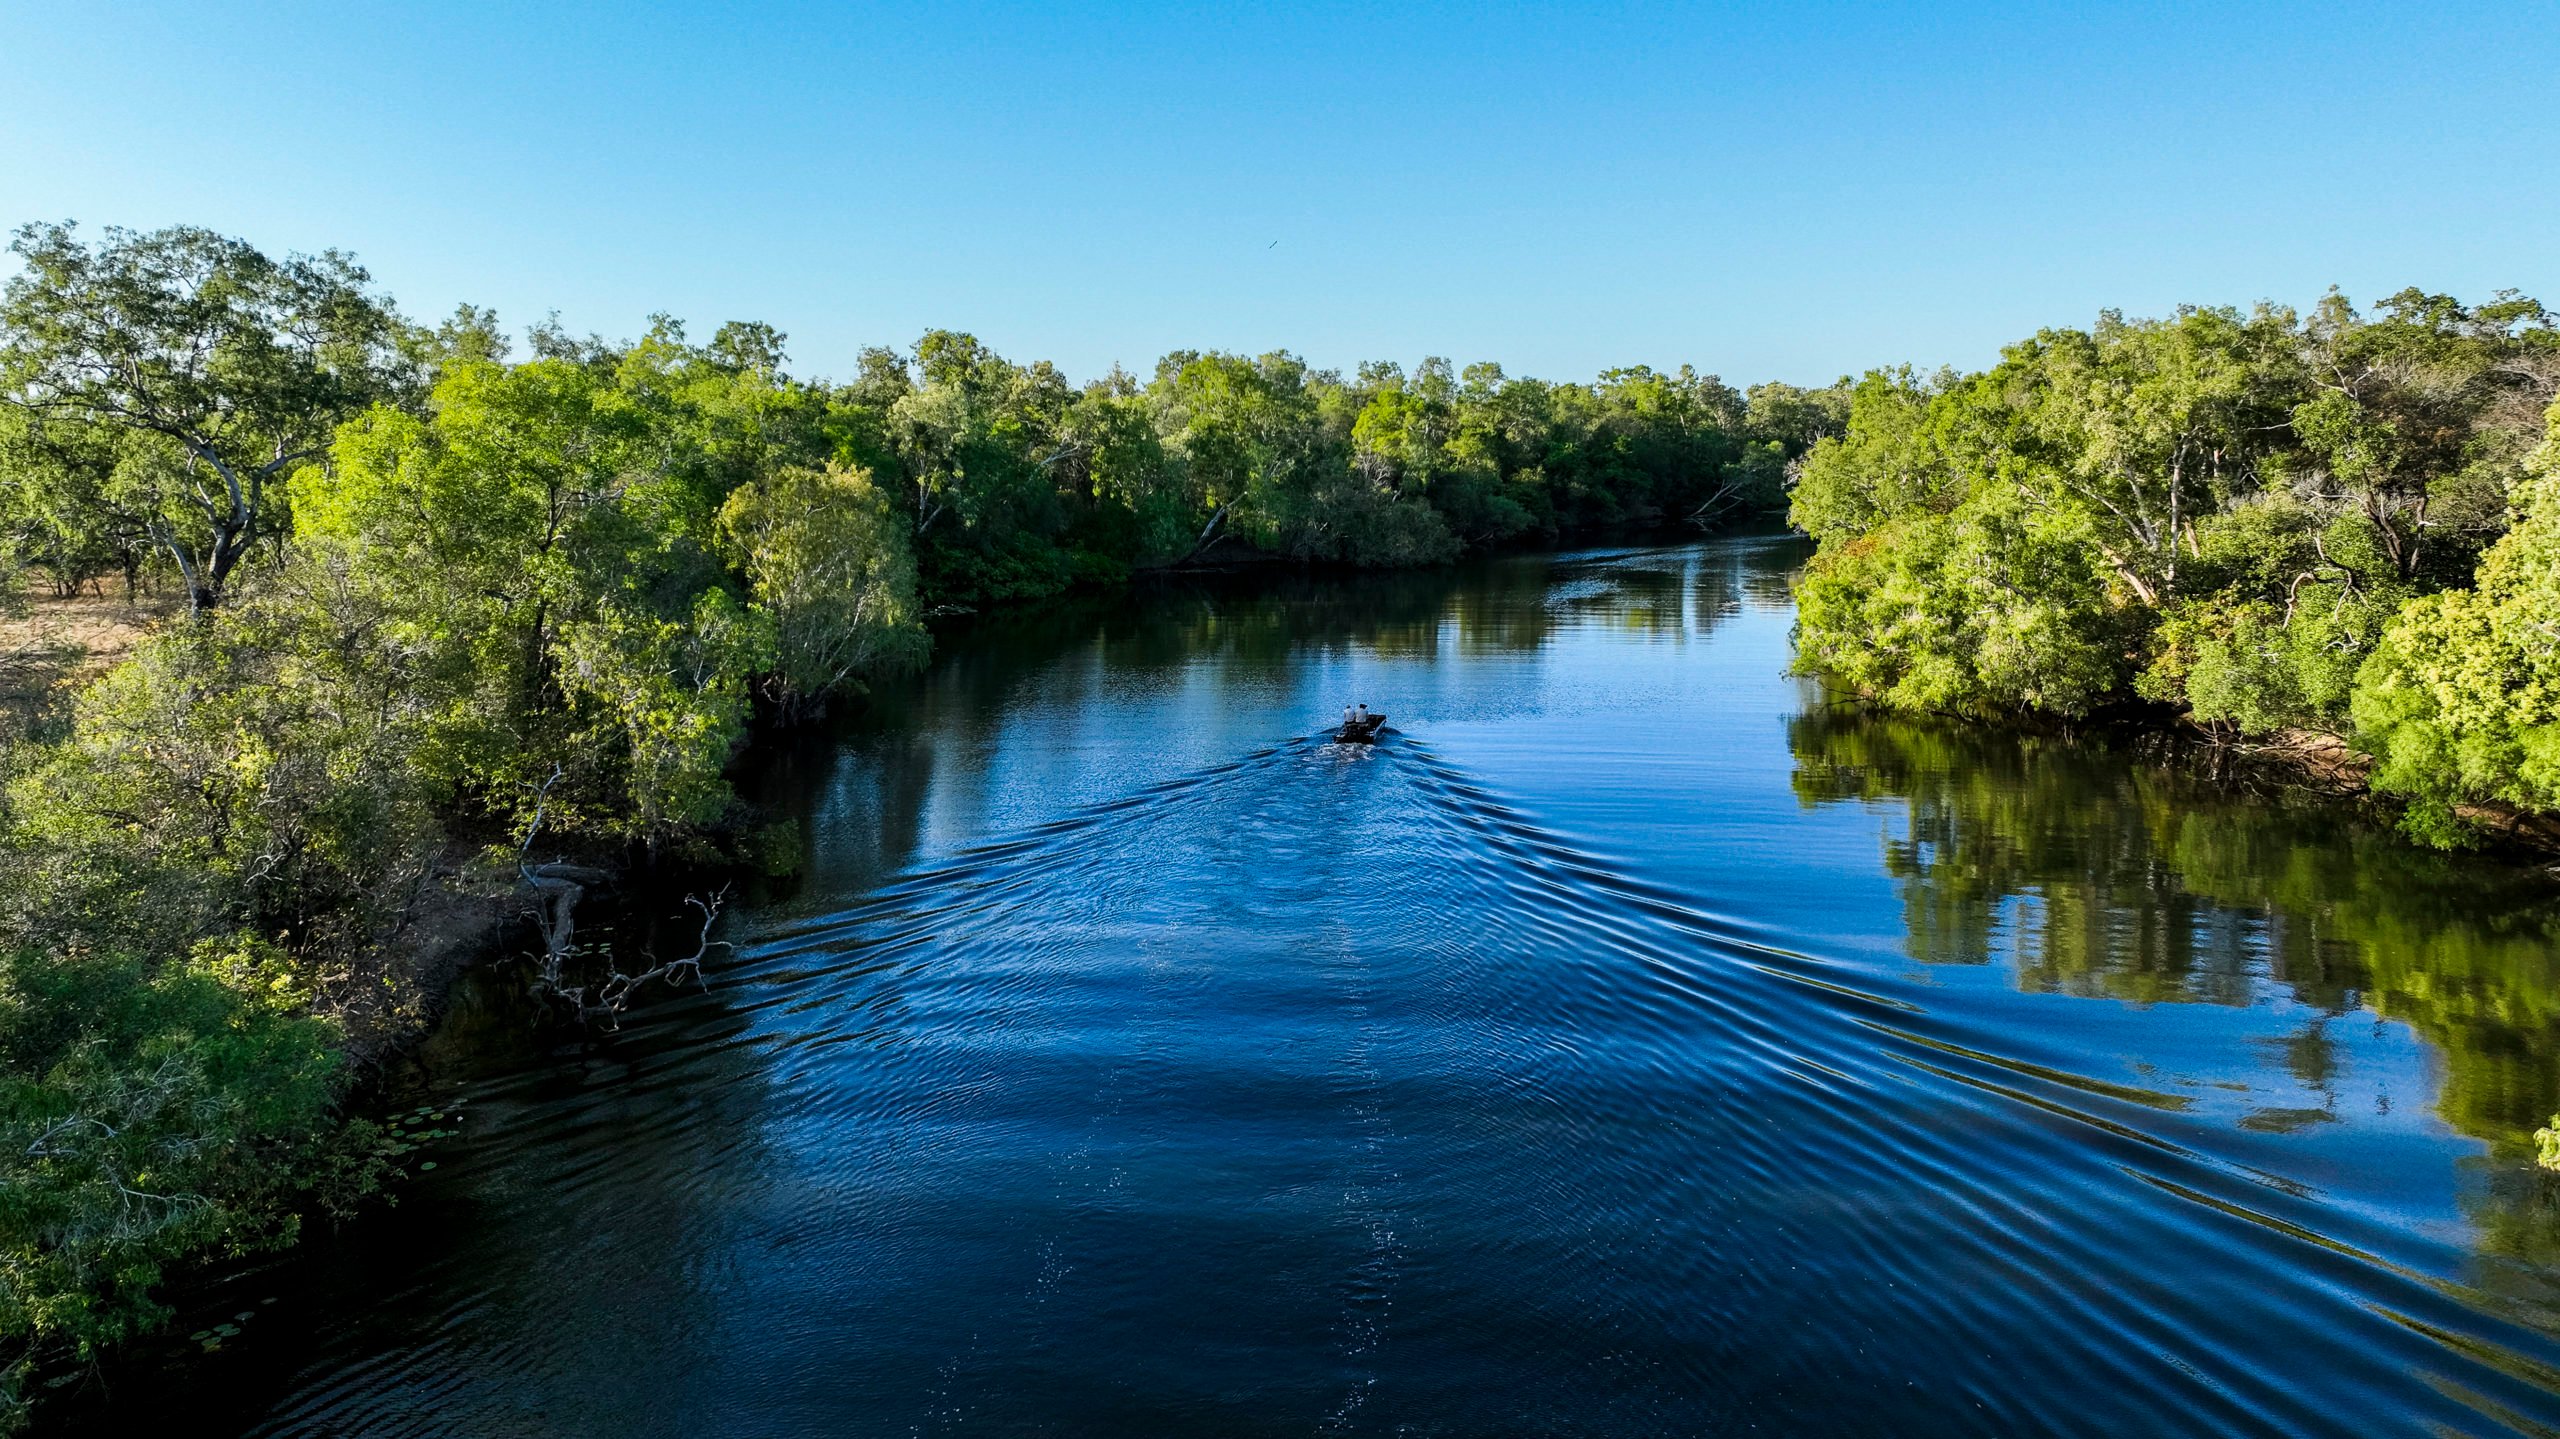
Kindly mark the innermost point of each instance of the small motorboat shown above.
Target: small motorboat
(1359, 727)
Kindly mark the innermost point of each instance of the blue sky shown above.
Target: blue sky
(1766, 191)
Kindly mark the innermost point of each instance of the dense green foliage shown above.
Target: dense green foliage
(2268, 521)
(167, 383)
(1019, 485)
(153, 1110)
(425, 584)
(2461, 699)
(434, 589)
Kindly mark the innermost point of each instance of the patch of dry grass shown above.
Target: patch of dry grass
(49, 641)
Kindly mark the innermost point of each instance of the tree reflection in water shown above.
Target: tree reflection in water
(2084, 874)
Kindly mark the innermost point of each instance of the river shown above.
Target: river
(1631, 1044)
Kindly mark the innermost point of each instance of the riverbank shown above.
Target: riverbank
(1107, 1019)
(2293, 761)
(2331, 764)
(2319, 763)
(471, 914)
(493, 914)
(2278, 561)
(471, 911)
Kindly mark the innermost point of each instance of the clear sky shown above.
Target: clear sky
(1764, 190)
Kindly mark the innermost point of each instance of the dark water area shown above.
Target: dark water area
(1631, 1044)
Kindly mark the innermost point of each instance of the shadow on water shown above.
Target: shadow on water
(1696, 1062)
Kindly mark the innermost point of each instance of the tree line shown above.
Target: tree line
(443, 588)
(2271, 523)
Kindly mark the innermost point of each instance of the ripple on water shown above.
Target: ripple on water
(1314, 1092)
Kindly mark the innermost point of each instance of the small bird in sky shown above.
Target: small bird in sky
(1274, 245)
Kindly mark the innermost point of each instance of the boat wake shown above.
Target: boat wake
(1302, 1094)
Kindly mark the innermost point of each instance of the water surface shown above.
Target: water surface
(1631, 1044)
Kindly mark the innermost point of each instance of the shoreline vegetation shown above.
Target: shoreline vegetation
(2330, 537)
(423, 633)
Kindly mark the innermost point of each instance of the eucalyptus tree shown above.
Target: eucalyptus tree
(2148, 427)
(1136, 500)
(2264, 520)
(588, 562)
(1884, 462)
(519, 533)
(973, 430)
(1401, 436)
(826, 556)
(1416, 440)
(1795, 418)
(2386, 476)
(2420, 417)
(226, 369)
(2461, 701)
(1248, 434)
(470, 334)
(981, 442)
(65, 506)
